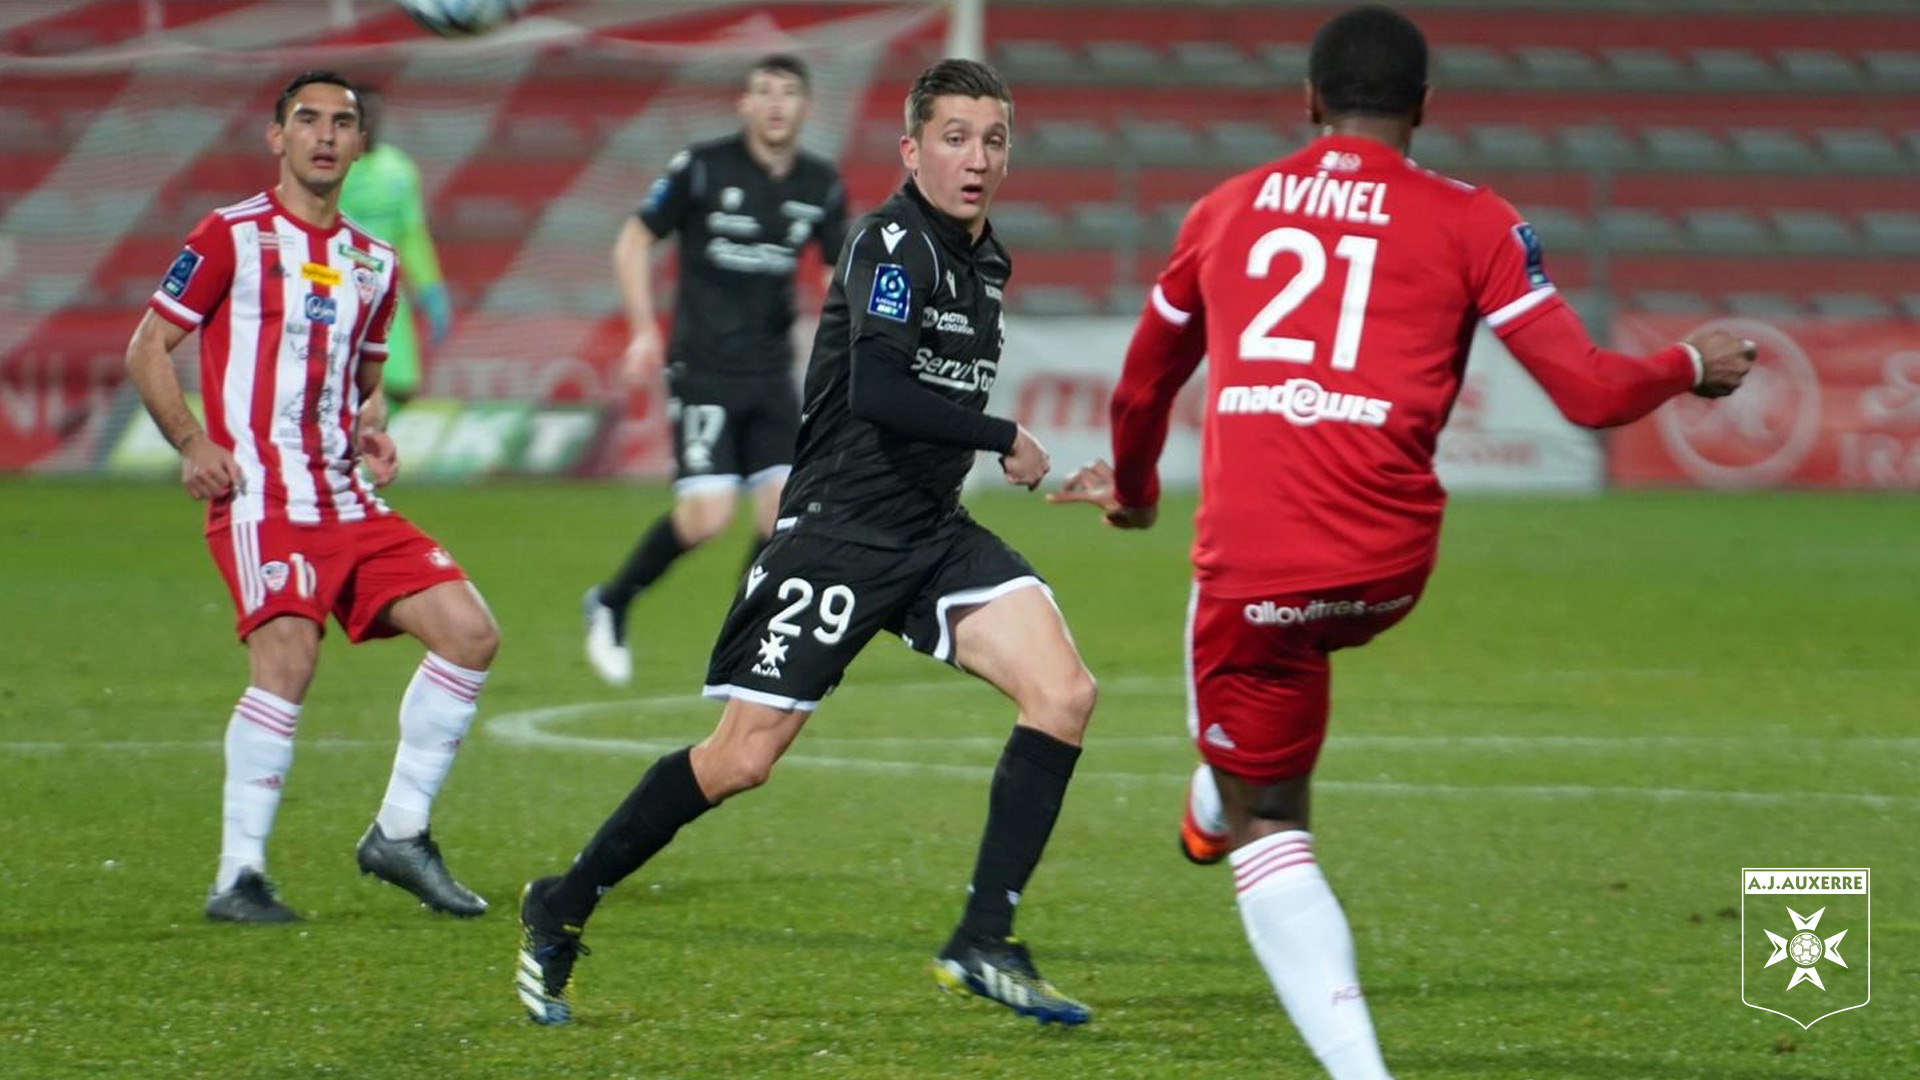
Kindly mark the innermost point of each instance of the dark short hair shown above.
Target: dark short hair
(1370, 60)
(783, 64)
(953, 76)
(306, 79)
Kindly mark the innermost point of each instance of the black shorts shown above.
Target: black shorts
(730, 429)
(811, 602)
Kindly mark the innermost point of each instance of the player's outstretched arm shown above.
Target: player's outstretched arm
(207, 470)
(1596, 387)
(1167, 346)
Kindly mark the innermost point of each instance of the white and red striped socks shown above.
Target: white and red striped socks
(434, 715)
(1301, 938)
(259, 753)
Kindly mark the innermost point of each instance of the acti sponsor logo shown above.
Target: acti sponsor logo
(1304, 402)
(1268, 613)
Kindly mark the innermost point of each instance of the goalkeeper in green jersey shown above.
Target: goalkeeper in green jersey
(382, 196)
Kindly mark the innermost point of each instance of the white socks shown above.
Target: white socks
(434, 715)
(259, 752)
(1301, 938)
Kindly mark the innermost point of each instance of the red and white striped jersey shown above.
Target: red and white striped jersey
(285, 312)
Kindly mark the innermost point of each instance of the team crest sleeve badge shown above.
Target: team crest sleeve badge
(1806, 941)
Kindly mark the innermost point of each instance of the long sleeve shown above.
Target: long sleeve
(1160, 359)
(1592, 386)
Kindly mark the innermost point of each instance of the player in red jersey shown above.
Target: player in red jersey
(1336, 292)
(292, 302)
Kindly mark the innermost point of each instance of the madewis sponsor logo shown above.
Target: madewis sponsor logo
(1303, 402)
(1817, 912)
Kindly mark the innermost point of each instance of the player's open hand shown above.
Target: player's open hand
(646, 354)
(1027, 463)
(381, 456)
(1091, 483)
(207, 469)
(1724, 362)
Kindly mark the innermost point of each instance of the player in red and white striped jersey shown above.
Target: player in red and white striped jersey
(1335, 293)
(292, 302)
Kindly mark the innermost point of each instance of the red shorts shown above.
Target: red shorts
(1258, 674)
(352, 570)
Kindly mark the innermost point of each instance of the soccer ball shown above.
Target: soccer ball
(1805, 949)
(463, 18)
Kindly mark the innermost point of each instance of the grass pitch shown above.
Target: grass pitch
(1535, 804)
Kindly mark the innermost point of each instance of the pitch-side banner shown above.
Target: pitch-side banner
(1057, 376)
(1828, 404)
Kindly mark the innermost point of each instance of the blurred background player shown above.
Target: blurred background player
(293, 303)
(874, 537)
(745, 207)
(1332, 291)
(382, 195)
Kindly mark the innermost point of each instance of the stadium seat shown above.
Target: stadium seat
(1162, 142)
(1037, 61)
(1472, 65)
(1859, 148)
(1638, 229)
(1064, 140)
(1245, 143)
(1813, 231)
(1891, 231)
(1726, 230)
(1110, 225)
(1558, 66)
(1683, 148)
(1851, 305)
(1728, 68)
(1771, 148)
(1643, 67)
(1893, 69)
(1819, 69)
(1125, 61)
(1218, 62)
(1910, 304)
(1024, 223)
(1764, 305)
(1285, 61)
(1597, 144)
(1509, 144)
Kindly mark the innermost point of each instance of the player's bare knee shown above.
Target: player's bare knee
(1061, 706)
(696, 521)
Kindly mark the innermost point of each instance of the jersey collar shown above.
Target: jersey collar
(1327, 151)
(951, 232)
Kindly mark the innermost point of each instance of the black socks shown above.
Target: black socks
(1028, 786)
(666, 798)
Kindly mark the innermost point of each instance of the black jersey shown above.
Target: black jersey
(913, 288)
(741, 234)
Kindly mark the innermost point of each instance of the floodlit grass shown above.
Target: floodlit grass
(1535, 804)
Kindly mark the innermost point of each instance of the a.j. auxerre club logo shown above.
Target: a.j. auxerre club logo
(1806, 941)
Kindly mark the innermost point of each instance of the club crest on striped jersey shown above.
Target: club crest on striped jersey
(275, 575)
(364, 283)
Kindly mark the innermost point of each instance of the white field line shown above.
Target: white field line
(534, 728)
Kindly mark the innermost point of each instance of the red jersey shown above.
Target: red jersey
(1335, 293)
(285, 312)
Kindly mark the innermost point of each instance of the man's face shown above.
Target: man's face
(320, 137)
(959, 156)
(774, 107)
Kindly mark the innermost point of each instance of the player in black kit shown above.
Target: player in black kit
(744, 208)
(873, 537)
